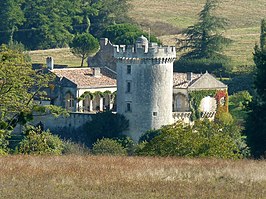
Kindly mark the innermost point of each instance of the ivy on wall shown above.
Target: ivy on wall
(195, 97)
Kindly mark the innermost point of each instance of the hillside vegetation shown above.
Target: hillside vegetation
(168, 17)
(129, 177)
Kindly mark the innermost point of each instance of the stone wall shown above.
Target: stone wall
(150, 79)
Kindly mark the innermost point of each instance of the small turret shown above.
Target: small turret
(142, 43)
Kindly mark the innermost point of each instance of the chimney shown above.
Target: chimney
(96, 72)
(189, 76)
(50, 63)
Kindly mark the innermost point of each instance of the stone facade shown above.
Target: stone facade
(145, 85)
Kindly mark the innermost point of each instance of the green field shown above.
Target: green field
(129, 177)
(165, 18)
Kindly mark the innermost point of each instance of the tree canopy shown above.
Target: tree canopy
(204, 39)
(203, 139)
(51, 24)
(83, 45)
(256, 122)
(125, 34)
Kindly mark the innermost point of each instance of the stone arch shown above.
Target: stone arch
(181, 103)
(208, 104)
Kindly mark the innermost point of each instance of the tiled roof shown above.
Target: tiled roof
(180, 80)
(83, 77)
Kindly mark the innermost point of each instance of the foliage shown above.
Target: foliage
(51, 24)
(4, 135)
(256, 122)
(19, 86)
(109, 12)
(37, 142)
(215, 66)
(84, 45)
(240, 82)
(195, 99)
(108, 146)
(11, 17)
(128, 143)
(204, 38)
(149, 135)
(72, 148)
(125, 34)
(224, 118)
(105, 125)
(203, 139)
(47, 24)
(241, 99)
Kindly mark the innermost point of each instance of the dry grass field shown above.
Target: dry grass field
(61, 56)
(129, 177)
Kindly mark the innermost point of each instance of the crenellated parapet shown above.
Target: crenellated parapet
(142, 53)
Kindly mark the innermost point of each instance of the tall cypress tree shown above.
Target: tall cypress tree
(256, 123)
(204, 39)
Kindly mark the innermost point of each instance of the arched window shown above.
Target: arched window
(181, 103)
(69, 102)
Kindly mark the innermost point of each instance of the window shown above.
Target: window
(69, 103)
(128, 69)
(128, 108)
(154, 114)
(128, 87)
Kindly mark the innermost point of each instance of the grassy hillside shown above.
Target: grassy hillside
(166, 18)
(129, 177)
(61, 56)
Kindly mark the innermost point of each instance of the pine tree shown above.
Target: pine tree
(204, 39)
(256, 123)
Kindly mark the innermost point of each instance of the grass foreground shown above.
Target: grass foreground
(130, 177)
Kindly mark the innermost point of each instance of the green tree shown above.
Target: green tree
(110, 12)
(39, 142)
(125, 34)
(11, 17)
(83, 45)
(256, 122)
(203, 139)
(19, 86)
(47, 25)
(107, 146)
(204, 40)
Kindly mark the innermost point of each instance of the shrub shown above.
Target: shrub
(203, 139)
(149, 135)
(108, 146)
(224, 118)
(72, 148)
(4, 135)
(128, 143)
(37, 141)
(241, 99)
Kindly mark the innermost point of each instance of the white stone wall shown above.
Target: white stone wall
(151, 91)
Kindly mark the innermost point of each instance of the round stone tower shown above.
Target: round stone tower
(145, 85)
